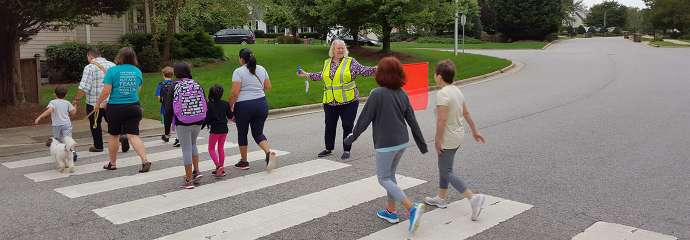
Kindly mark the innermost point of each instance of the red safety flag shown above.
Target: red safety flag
(417, 86)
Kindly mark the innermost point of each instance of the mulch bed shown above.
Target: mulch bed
(376, 54)
(25, 114)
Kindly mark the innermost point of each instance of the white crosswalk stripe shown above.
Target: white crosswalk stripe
(82, 154)
(613, 231)
(273, 218)
(455, 221)
(124, 162)
(110, 184)
(155, 205)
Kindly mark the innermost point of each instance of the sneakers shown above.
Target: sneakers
(415, 217)
(176, 143)
(94, 149)
(346, 155)
(325, 153)
(196, 176)
(477, 204)
(242, 164)
(220, 172)
(391, 217)
(271, 161)
(165, 138)
(436, 201)
(187, 185)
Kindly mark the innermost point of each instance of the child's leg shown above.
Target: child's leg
(212, 140)
(221, 149)
(195, 151)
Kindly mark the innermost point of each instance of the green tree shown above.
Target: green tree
(669, 14)
(614, 12)
(213, 15)
(527, 19)
(389, 14)
(23, 19)
(487, 16)
(294, 14)
(569, 8)
(633, 20)
(435, 17)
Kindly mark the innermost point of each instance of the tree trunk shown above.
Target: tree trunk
(169, 35)
(17, 76)
(386, 39)
(9, 58)
(354, 32)
(293, 31)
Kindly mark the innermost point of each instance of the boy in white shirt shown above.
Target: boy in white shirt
(451, 110)
(60, 111)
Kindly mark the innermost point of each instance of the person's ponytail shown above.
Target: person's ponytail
(249, 59)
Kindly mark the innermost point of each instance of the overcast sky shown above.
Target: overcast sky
(629, 3)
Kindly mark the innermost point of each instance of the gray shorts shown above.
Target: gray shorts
(62, 131)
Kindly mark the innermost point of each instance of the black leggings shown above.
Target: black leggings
(167, 120)
(251, 113)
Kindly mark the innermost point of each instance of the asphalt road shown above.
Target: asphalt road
(588, 130)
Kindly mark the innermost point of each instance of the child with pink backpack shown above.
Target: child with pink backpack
(189, 106)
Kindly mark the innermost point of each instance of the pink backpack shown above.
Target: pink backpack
(189, 101)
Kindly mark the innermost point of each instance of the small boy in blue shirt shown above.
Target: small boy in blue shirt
(164, 93)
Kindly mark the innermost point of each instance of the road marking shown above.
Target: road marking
(613, 231)
(276, 217)
(454, 222)
(82, 154)
(121, 163)
(110, 184)
(155, 205)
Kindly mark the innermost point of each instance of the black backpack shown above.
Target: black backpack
(167, 96)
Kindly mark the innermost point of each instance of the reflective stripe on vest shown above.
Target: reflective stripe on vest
(341, 89)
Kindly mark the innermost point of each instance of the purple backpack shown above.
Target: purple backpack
(189, 102)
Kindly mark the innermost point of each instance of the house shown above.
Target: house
(109, 29)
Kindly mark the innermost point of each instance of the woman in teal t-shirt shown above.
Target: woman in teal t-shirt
(122, 84)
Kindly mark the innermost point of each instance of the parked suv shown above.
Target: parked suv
(242, 36)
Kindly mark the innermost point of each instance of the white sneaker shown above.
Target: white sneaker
(271, 161)
(436, 201)
(477, 204)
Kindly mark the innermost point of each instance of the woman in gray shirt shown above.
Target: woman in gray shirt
(248, 102)
(390, 112)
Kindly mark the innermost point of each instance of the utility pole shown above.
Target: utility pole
(606, 30)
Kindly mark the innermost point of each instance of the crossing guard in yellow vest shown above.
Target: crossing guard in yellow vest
(340, 94)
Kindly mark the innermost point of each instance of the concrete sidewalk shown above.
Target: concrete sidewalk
(679, 42)
(32, 138)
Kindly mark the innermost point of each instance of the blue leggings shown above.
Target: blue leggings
(251, 113)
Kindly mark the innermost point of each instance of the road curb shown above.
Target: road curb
(549, 44)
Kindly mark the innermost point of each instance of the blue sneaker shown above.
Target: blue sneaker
(391, 217)
(415, 217)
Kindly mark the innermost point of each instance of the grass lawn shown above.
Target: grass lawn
(483, 45)
(668, 44)
(281, 62)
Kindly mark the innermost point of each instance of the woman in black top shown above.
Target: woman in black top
(217, 121)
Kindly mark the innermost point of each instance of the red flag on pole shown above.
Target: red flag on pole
(417, 86)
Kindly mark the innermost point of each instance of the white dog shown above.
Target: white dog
(63, 154)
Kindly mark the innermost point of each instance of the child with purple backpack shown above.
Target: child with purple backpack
(189, 106)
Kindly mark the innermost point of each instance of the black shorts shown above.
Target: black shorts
(123, 118)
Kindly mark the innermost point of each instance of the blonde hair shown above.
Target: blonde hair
(168, 72)
(331, 52)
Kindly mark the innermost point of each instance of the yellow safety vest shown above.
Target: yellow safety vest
(341, 88)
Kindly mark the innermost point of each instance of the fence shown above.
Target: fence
(30, 78)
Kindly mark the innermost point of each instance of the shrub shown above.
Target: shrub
(313, 35)
(259, 34)
(274, 35)
(402, 37)
(66, 61)
(581, 30)
(685, 37)
(288, 40)
(617, 31)
(149, 59)
(137, 40)
(447, 40)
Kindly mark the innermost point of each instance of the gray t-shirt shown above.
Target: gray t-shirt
(60, 114)
(252, 85)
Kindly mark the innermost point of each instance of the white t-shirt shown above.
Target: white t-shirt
(252, 85)
(452, 97)
(60, 114)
